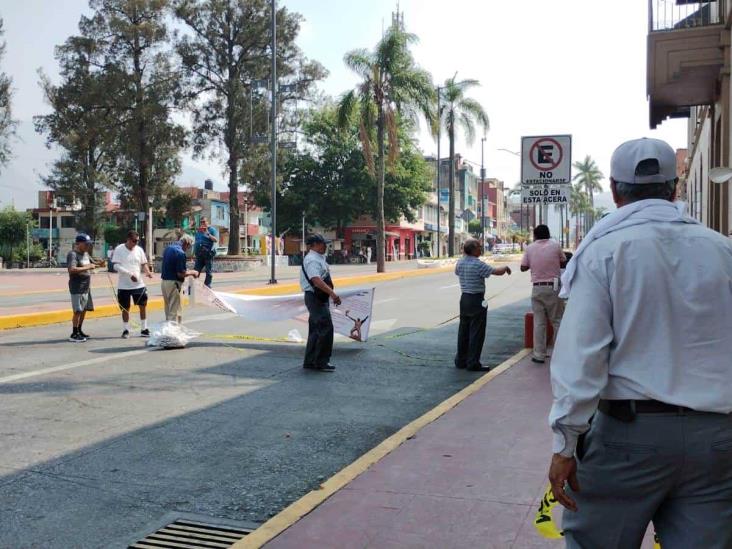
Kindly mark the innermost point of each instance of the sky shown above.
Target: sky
(546, 68)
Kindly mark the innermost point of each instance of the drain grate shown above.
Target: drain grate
(189, 534)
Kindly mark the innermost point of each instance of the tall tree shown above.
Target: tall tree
(13, 225)
(579, 202)
(588, 176)
(458, 111)
(83, 126)
(7, 124)
(142, 89)
(226, 52)
(392, 86)
(178, 205)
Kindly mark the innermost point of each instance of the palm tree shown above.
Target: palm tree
(392, 88)
(588, 176)
(579, 202)
(458, 110)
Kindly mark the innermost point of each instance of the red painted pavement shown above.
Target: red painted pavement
(471, 479)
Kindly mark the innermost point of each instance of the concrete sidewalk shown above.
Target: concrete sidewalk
(472, 478)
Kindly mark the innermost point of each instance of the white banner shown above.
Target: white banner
(352, 318)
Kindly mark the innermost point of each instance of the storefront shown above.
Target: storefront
(400, 241)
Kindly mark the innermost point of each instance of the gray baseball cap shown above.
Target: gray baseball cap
(642, 161)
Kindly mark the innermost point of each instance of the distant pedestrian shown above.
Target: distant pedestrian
(205, 249)
(79, 265)
(368, 255)
(473, 312)
(131, 262)
(317, 287)
(173, 273)
(645, 348)
(545, 259)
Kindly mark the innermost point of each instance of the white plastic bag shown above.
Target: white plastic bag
(170, 335)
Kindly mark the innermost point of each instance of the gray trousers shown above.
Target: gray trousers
(546, 305)
(670, 469)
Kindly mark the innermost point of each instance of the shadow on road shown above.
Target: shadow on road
(243, 457)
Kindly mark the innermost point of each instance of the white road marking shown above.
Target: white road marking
(450, 286)
(385, 300)
(63, 367)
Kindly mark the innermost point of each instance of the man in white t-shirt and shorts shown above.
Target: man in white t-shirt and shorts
(130, 262)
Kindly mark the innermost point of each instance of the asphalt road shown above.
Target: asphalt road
(101, 440)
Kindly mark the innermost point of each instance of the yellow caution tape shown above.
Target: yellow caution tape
(547, 528)
(544, 522)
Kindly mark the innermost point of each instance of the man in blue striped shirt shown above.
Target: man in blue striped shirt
(473, 314)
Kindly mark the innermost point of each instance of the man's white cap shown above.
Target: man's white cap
(626, 158)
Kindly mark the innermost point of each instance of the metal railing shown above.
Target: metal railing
(666, 15)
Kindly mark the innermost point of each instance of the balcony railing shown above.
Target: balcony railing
(666, 15)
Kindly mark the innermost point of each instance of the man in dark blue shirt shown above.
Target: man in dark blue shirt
(173, 273)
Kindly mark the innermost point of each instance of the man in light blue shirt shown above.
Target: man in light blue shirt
(641, 372)
(317, 287)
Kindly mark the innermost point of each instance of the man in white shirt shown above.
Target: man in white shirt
(317, 287)
(130, 262)
(645, 347)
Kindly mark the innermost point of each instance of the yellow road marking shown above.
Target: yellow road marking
(53, 317)
(293, 513)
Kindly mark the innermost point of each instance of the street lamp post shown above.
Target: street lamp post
(273, 279)
(481, 194)
(439, 132)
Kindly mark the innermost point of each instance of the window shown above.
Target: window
(67, 222)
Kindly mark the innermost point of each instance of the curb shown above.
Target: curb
(28, 320)
(306, 504)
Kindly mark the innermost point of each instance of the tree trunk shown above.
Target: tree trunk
(451, 187)
(234, 242)
(380, 176)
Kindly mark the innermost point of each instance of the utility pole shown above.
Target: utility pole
(273, 278)
(302, 245)
(482, 191)
(439, 131)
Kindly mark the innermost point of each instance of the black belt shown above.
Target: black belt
(543, 283)
(625, 410)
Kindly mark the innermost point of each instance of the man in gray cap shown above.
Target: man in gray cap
(645, 347)
(317, 286)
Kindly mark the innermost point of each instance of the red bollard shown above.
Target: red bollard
(529, 331)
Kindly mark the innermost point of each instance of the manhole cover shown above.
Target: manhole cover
(190, 534)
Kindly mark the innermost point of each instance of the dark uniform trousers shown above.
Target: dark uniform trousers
(320, 332)
(471, 333)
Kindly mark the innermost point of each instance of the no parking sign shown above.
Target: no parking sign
(546, 169)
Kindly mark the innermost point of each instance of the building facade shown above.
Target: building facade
(688, 76)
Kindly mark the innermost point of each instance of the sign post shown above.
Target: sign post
(546, 171)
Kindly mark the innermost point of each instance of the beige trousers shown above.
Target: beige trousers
(546, 305)
(171, 298)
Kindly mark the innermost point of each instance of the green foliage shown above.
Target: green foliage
(7, 124)
(226, 50)
(474, 227)
(82, 128)
(141, 87)
(20, 254)
(178, 205)
(329, 179)
(114, 235)
(13, 227)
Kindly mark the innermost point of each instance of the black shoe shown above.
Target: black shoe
(77, 338)
(310, 366)
(461, 366)
(85, 336)
(479, 369)
(537, 361)
(126, 334)
(145, 333)
(325, 368)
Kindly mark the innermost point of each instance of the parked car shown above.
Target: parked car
(222, 250)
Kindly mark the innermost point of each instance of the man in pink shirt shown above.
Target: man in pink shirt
(545, 259)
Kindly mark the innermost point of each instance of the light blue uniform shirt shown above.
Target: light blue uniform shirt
(315, 265)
